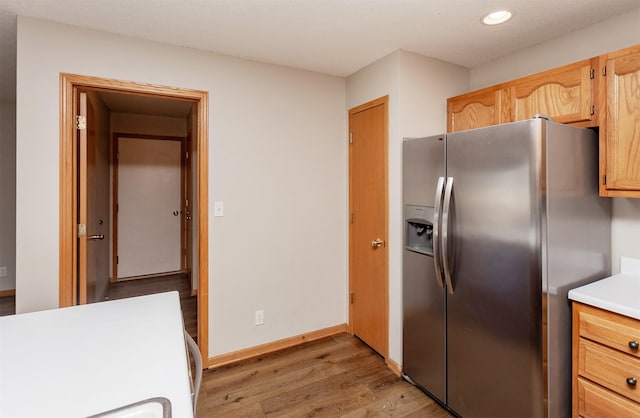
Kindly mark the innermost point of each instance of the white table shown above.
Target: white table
(83, 360)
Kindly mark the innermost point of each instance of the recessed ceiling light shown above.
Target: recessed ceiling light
(497, 17)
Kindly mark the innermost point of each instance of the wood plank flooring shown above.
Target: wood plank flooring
(151, 285)
(337, 376)
(7, 305)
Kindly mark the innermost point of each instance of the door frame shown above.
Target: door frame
(69, 86)
(382, 101)
(114, 230)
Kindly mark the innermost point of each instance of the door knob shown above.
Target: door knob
(377, 243)
(99, 237)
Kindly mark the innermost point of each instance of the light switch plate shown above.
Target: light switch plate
(259, 317)
(218, 208)
(3, 272)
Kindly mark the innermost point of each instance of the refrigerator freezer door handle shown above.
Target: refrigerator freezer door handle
(436, 232)
(446, 234)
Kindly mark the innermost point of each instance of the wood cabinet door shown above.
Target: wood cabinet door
(565, 94)
(622, 142)
(480, 108)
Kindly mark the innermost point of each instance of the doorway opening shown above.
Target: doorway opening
(111, 111)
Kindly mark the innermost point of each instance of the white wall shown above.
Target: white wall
(616, 33)
(8, 194)
(277, 160)
(418, 88)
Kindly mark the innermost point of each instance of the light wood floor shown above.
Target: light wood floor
(333, 377)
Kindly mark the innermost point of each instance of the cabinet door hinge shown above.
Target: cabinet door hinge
(351, 298)
(117, 259)
(351, 218)
(350, 138)
(604, 70)
(604, 179)
(81, 122)
(592, 75)
(593, 110)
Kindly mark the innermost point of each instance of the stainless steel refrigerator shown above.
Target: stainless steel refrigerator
(500, 223)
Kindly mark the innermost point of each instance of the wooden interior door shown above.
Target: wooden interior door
(187, 208)
(149, 205)
(368, 197)
(98, 196)
(80, 289)
(92, 198)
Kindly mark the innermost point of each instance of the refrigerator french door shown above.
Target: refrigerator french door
(492, 267)
(423, 294)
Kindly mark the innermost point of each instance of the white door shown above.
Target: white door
(149, 217)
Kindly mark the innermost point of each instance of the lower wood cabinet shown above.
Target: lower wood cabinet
(606, 364)
(597, 402)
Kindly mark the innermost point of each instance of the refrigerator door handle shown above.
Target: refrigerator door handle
(446, 234)
(436, 232)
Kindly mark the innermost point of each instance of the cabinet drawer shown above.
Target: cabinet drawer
(596, 402)
(609, 368)
(613, 330)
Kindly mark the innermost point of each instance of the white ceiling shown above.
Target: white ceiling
(335, 37)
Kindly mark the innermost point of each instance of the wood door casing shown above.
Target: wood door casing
(69, 86)
(368, 202)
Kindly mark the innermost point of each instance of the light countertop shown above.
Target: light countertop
(619, 293)
(83, 360)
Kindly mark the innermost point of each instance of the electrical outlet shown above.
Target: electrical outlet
(260, 317)
(3, 272)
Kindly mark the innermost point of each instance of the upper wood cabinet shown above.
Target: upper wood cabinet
(620, 135)
(480, 108)
(565, 94)
(600, 92)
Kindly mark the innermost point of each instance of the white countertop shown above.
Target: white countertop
(80, 361)
(619, 293)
